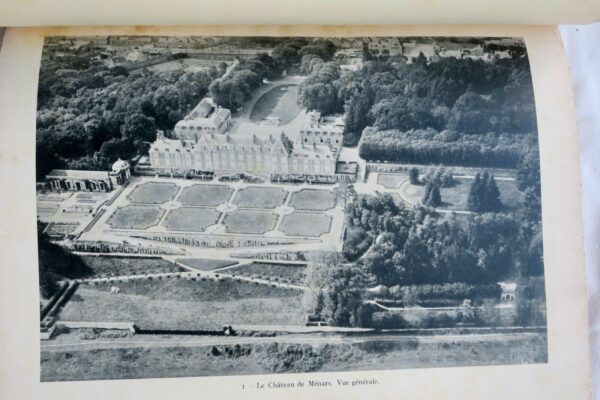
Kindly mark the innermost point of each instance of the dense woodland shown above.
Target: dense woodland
(89, 114)
(415, 254)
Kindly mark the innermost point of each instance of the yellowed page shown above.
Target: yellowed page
(565, 375)
(183, 12)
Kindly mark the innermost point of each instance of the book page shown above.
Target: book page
(291, 211)
(311, 12)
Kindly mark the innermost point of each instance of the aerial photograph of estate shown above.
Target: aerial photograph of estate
(258, 205)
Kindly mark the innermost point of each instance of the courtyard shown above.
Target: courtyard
(279, 104)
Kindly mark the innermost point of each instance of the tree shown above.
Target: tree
(475, 194)
(139, 127)
(344, 295)
(492, 195)
(528, 170)
(413, 176)
(55, 263)
(432, 197)
(484, 195)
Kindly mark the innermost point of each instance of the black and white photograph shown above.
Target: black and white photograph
(223, 206)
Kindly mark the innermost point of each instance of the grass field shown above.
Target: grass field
(153, 193)
(172, 303)
(391, 181)
(191, 219)
(135, 216)
(279, 102)
(206, 264)
(249, 221)
(205, 195)
(455, 197)
(260, 197)
(305, 224)
(264, 358)
(313, 200)
(107, 265)
(290, 273)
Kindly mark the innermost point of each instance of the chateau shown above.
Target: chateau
(202, 143)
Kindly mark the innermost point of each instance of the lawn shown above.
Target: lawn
(206, 264)
(289, 273)
(391, 181)
(249, 221)
(183, 303)
(205, 195)
(305, 224)
(135, 216)
(153, 193)
(118, 265)
(455, 197)
(313, 200)
(260, 197)
(279, 102)
(192, 219)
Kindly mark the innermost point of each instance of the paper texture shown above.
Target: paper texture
(234, 12)
(566, 373)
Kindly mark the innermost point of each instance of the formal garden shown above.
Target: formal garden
(313, 200)
(194, 219)
(135, 216)
(153, 193)
(305, 224)
(205, 195)
(260, 197)
(254, 222)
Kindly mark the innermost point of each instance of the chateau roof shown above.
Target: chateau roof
(217, 140)
(312, 150)
(201, 110)
(76, 174)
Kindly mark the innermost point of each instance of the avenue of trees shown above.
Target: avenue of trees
(290, 55)
(449, 148)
